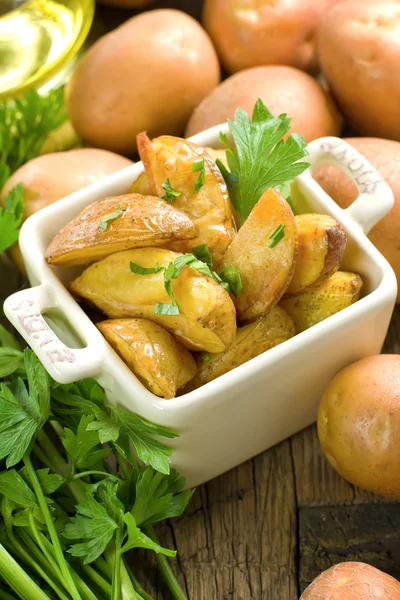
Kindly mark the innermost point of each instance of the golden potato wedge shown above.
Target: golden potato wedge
(266, 271)
(207, 319)
(250, 341)
(161, 363)
(171, 158)
(322, 242)
(313, 306)
(118, 223)
(141, 185)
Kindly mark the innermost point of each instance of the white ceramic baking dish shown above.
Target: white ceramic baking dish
(261, 402)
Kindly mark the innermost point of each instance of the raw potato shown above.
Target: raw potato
(146, 75)
(359, 50)
(209, 209)
(207, 319)
(359, 424)
(266, 272)
(250, 341)
(247, 34)
(309, 308)
(384, 155)
(51, 177)
(282, 89)
(158, 361)
(322, 242)
(144, 221)
(353, 581)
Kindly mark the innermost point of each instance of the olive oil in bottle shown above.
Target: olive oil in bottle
(39, 40)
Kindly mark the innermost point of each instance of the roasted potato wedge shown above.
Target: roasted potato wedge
(322, 242)
(266, 271)
(207, 319)
(313, 306)
(141, 185)
(129, 221)
(161, 363)
(171, 158)
(250, 341)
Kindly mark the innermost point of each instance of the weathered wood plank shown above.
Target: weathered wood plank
(367, 533)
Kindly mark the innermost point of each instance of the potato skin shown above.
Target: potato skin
(321, 245)
(158, 361)
(282, 89)
(207, 319)
(141, 185)
(51, 177)
(280, 33)
(384, 155)
(353, 581)
(250, 341)
(312, 306)
(144, 221)
(266, 272)
(359, 50)
(148, 74)
(359, 424)
(172, 158)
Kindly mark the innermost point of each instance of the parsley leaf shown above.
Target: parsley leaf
(198, 165)
(159, 496)
(170, 193)
(203, 253)
(259, 158)
(49, 482)
(11, 217)
(231, 276)
(140, 432)
(25, 123)
(22, 414)
(11, 360)
(80, 446)
(93, 524)
(104, 223)
(7, 340)
(137, 539)
(277, 235)
(13, 487)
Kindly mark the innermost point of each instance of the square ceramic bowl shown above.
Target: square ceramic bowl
(258, 404)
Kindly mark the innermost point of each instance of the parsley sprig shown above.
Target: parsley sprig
(259, 158)
(200, 261)
(25, 123)
(170, 193)
(11, 217)
(199, 165)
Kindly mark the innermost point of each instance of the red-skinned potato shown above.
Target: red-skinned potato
(359, 51)
(50, 177)
(282, 89)
(359, 424)
(384, 155)
(146, 75)
(247, 34)
(353, 581)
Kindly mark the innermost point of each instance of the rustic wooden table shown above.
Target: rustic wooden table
(264, 530)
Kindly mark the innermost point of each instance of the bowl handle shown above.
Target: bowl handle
(65, 365)
(375, 198)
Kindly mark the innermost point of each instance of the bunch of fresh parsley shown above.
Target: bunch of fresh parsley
(258, 157)
(82, 484)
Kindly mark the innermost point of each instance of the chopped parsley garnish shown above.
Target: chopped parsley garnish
(259, 158)
(231, 276)
(103, 224)
(170, 193)
(198, 165)
(277, 235)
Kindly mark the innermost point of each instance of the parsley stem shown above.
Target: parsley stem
(127, 590)
(138, 588)
(69, 582)
(38, 541)
(116, 578)
(17, 579)
(102, 473)
(5, 595)
(165, 568)
(97, 579)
